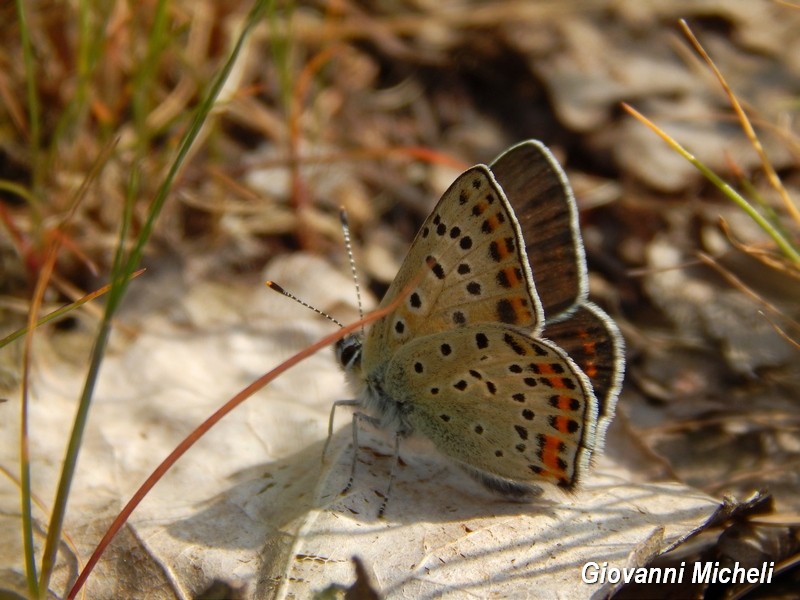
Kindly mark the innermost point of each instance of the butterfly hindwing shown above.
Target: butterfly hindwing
(499, 401)
(593, 341)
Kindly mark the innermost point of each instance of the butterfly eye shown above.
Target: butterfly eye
(348, 351)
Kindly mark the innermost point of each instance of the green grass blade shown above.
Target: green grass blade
(124, 267)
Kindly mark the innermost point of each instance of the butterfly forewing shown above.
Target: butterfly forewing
(537, 189)
(467, 265)
(499, 401)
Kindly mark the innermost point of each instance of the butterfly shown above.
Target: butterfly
(494, 353)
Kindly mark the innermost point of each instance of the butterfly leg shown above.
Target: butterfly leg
(330, 423)
(358, 416)
(395, 462)
(375, 422)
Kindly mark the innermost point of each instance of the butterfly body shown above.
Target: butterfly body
(494, 353)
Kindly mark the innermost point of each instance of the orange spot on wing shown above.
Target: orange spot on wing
(564, 403)
(550, 457)
(546, 369)
(589, 349)
(562, 424)
(510, 274)
(502, 250)
(555, 382)
(521, 311)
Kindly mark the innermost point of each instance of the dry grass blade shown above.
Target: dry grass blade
(63, 311)
(785, 245)
(744, 288)
(747, 127)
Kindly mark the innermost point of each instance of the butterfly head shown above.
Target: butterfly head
(348, 352)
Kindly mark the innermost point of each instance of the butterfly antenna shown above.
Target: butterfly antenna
(349, 246)
(274, 286)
